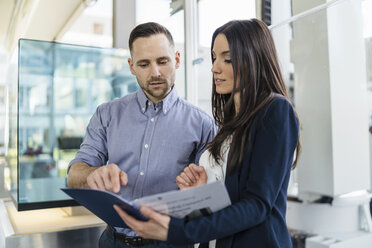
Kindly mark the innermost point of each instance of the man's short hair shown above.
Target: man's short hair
(147, 29)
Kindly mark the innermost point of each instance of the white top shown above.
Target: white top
(215, 171)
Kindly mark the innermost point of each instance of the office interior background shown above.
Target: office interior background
(60, 59)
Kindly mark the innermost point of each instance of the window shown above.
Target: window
(211, 15)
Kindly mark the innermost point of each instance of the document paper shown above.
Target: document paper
(179, 203)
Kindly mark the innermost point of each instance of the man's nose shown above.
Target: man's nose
(155, 72)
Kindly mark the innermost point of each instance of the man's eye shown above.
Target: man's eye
(163, 62)
(143, 65)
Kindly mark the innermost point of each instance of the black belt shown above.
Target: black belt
(130, 241)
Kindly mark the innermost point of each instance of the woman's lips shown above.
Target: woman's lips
(218, 81)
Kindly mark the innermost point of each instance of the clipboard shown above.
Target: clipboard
(190, 203)
(101, 203)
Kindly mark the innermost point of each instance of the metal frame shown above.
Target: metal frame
(191, 50)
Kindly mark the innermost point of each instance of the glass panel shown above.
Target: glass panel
(213, 14)
(60, 86)
(159, 11)
(11, 131)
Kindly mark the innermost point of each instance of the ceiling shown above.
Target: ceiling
(37, 19)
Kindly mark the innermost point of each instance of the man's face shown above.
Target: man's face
(154, 63)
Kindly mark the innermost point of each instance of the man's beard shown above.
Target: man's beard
(156, 93)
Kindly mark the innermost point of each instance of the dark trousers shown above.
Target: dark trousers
(107, 240)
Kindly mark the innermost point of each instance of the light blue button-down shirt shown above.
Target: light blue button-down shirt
(152, 145)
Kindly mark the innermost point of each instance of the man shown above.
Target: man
(138, 144)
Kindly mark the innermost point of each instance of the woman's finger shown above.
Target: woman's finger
(190, 174)
(151, 214)
(181, 182)
(185, 178)
(202, 174)
(129, 220)
(194, 169)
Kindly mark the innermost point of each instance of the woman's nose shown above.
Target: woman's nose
(215, 68)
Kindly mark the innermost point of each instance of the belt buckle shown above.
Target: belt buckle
(126, 241)
(133, 241)
(129, 241)
(138, 241)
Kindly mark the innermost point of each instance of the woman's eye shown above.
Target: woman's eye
(227, 60)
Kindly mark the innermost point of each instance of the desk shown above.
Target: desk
(47, 228)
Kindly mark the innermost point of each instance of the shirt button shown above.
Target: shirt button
(165, 111)
(146, 146)
(143, 109)
(141, 173)
(152, 120)
(149, 103)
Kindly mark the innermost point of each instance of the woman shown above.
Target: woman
(254, 148)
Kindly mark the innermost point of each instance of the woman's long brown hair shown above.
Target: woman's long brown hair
(255, 63)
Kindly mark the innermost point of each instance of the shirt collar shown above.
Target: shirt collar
(165, 104)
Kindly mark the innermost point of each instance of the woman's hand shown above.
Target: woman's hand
(155, 228)
(192, 176)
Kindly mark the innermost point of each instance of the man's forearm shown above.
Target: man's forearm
(78, 173)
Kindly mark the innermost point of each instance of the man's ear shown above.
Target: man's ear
(178, 59)
(130, 62)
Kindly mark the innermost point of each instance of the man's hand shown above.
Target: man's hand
(108, 177)
(192, 176)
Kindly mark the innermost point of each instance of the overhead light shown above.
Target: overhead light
(176, 5)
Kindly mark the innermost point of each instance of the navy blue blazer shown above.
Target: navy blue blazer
(258, 192)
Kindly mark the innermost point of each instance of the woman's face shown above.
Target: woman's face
(223, 74)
